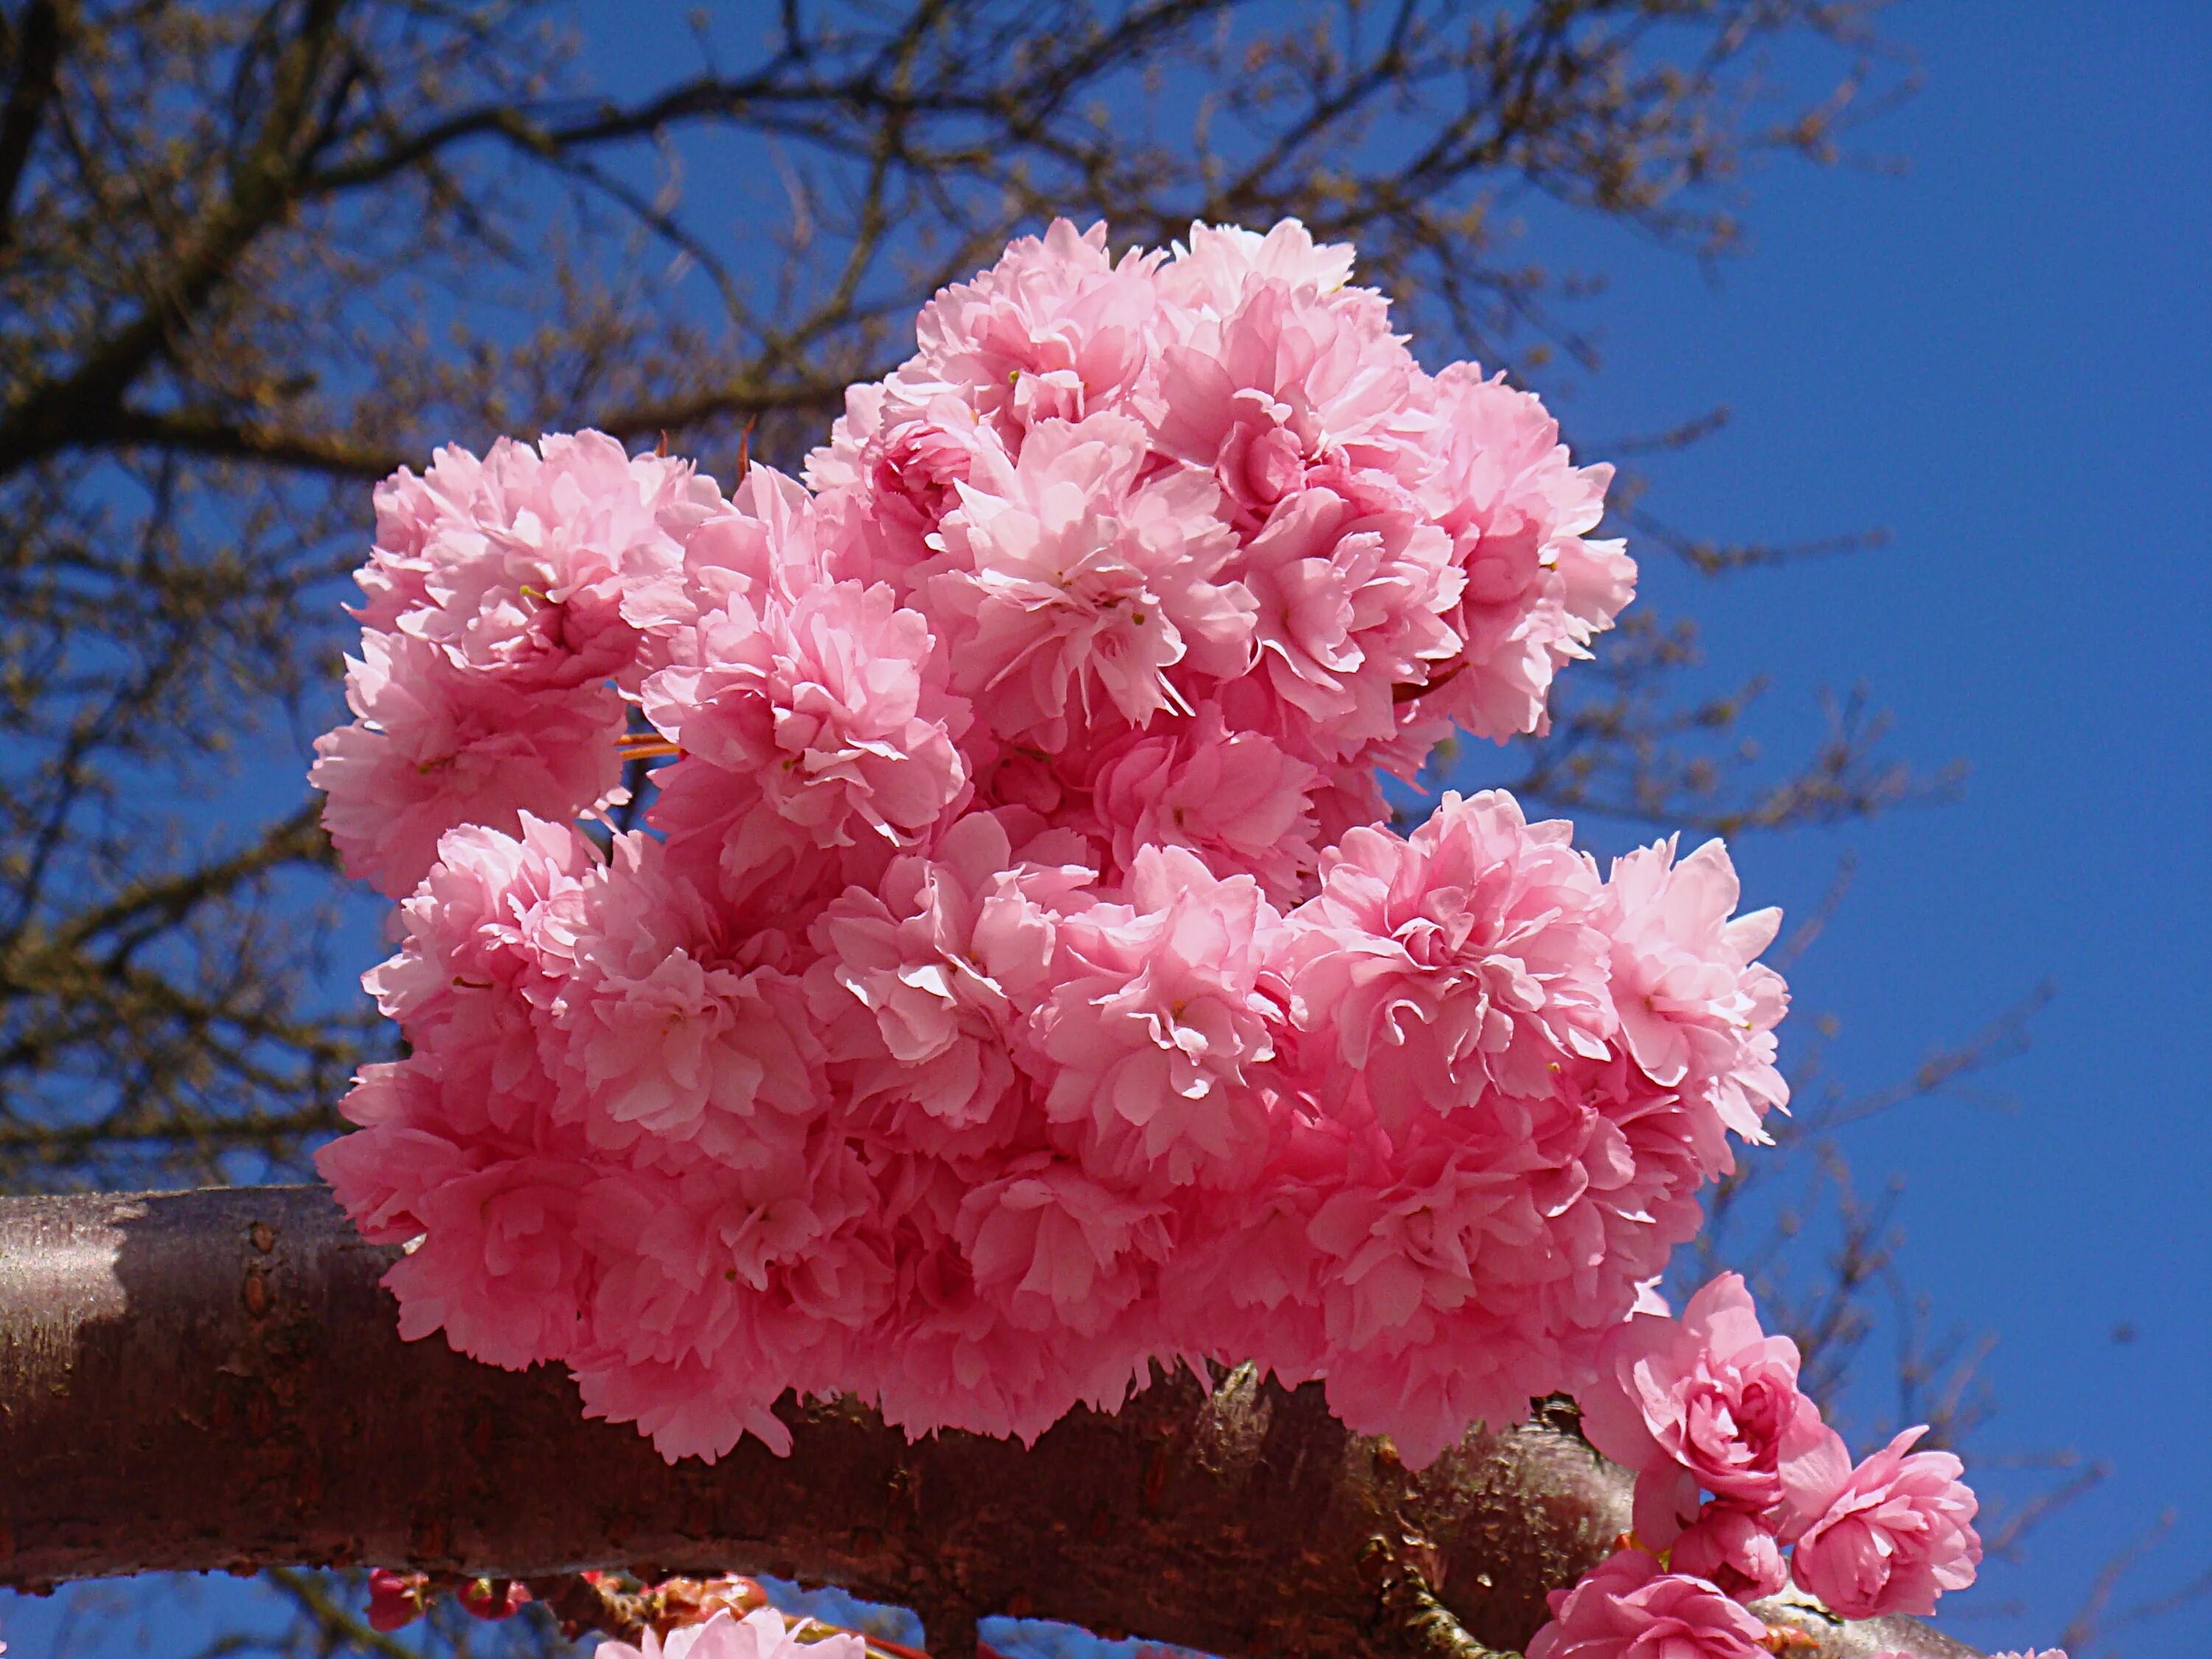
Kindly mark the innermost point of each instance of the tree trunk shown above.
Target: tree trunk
(214, 1380)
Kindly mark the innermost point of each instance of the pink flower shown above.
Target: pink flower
(433, 747)
(761, 1634)
(499, 1268)
(1626, 1608)
(385, 1175)
(1013, 985)
(1155, 1016)
(919, 1031)
(1056, 1248)
(1234, 798)
(807, 724)
(1466, 959)
(1888, 1536)
(1478, 1261)
(890, 475)
(1735, 1549)
(670, 1039)
(718, 1289)
(1705, 1402)
(1289, 387)
(515, 566)
(1210, 273)
(1536, 590)
(1349, 595)
(1067, 580)
(1056, 330)
(1697, 1012)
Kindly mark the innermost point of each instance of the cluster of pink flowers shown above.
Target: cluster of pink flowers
(1012, 982)
(1733, 1465)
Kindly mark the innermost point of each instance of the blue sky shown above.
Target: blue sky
(2003, 355)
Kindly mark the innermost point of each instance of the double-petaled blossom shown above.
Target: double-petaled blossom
(920, 1032)
(1626, 1608)
(806, 724)
(1464, 960)
(1703, 1403)
(1347, 593)
(1073, 586)
(1156, 1017)
(433, 746)
(517, 566)
(1888, 1536)
(1535, 588)
(1733, 1549)
(1697, 1012)
(763, 1634)
(1236, 798)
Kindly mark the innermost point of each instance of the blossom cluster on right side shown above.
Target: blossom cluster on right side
(1733, 1466)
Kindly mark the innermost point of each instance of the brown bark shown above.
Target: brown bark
(214, 1380)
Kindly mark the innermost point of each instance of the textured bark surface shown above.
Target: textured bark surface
(214, 1380)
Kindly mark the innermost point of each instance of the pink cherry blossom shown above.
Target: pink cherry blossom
(719, 1289)
(919, 1031)
(499, 1268)
(1465, 959)
(1888, 1536)
(1070, 585)
(1289, 388)
(515, 566)
(1013, 985)
(669, 1037)
(1479, 1259)
(890, 475)
(1056, 330)
(762, 1633)
(1733, 1549)
(1704, 1402)
(1236, 798)
(1155, 1016)
(806, 723)
(1697, 1012)
(1348, 599)
(1626, 1608)
(432, 747)
(1535, 588)
(1210, 272)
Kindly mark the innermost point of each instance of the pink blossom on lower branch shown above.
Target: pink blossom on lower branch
(1737, 1551)
(1701, 1402)
(761, 1634)
(1888, 1536)
(1626, 1608)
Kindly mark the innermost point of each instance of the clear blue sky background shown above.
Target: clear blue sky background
(2004, 357)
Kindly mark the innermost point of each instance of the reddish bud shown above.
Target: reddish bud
(494, 1598)
(396, 1598)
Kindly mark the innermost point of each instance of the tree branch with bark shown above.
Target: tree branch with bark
(214, 1380)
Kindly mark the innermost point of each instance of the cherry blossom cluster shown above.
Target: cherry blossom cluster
(1733, 1465)
(932, 932)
